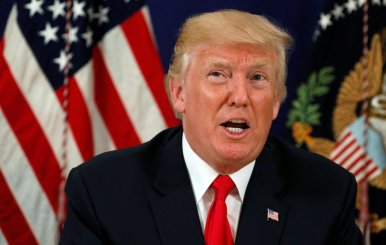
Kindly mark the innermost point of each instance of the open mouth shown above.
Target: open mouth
(235, 126)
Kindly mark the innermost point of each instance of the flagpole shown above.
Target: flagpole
(364, 207)
(62, 198)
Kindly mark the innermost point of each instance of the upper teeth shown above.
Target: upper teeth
(237, 121)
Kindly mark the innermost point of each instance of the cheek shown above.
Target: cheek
(204, 96)
(265, 106)
(195, 103)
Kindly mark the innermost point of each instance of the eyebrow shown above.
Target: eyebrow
(219, 63)
(261, 63)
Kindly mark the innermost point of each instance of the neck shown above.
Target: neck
(227, 169)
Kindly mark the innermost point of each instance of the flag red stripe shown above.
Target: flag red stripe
(359, 171)
(371, 171)
(364, 168)
(29, 133)
(140, 40)
(12, 222)
(79, 119)
(343, 139)
(357, 148)
(110, 106)
(344, 150)
(355, 162)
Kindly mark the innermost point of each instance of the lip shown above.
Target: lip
(236, 118)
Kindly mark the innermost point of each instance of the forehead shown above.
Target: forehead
(234, 54)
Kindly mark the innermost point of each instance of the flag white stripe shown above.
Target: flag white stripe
(360, 176)
(25, 187)
(358, 165)
(342, 145)
(346, 153)
(353, 157)
(146, 14)
(3, 241)
(38, 92)
(345, 146)
(376, 172)
(131, 86)
(102, 139)
(371, 167)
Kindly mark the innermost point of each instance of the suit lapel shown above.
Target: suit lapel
(175, 212)
(263, 193)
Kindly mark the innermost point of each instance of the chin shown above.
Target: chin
(238, 156)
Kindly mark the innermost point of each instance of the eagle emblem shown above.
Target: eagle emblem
(351, 131)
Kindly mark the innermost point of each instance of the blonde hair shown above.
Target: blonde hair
(231, 26)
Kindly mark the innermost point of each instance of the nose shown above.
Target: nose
(238, 93)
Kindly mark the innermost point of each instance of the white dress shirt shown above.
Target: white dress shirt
(202, 176)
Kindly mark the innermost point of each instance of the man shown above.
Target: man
(226, 83)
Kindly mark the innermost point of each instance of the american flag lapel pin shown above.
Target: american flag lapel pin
(272, 215)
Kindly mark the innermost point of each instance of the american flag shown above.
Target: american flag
(351, 154)
(272, 215)
(77, 77)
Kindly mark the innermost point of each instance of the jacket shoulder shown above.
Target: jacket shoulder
(135, 160)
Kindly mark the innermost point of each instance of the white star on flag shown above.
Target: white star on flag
(361, 2)
(57, 9)
(35, 6)
(91, 14)
(49, 33)
(338, 11)
(87, 36)
(316, 35)
(351, 6)
(72, 37)
(376, 2)
(325, 21)
(102, 15)
(78, 9)
(62, 60)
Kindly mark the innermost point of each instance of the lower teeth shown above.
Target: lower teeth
(235, 130)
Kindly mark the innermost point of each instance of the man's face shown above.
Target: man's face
(227, 101)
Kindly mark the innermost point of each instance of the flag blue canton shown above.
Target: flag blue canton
(43, 25)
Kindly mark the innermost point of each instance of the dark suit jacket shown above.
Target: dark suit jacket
(143, 195)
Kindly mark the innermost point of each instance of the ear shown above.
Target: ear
(177, 94)
(275, 109)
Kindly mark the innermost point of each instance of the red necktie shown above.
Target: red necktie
(217, 229)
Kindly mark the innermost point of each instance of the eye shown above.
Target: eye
(217, 77)
(259, 80)
(258, 77)
(215, 73)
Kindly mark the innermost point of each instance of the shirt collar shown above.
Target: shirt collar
(202, 174)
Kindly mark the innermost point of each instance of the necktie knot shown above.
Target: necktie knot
(222, 185)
